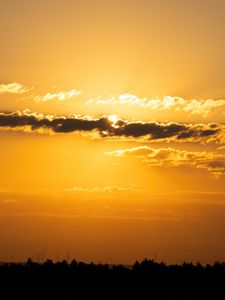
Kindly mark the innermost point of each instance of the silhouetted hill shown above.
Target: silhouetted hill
(145, 280)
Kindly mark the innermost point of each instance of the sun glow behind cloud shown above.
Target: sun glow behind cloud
(113, 118)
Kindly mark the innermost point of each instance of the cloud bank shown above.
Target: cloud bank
(170, 157)
(153, 131)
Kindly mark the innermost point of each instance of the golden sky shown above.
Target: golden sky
(112, 130)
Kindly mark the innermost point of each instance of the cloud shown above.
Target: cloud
(170, 157)
(100, 189)
(56, 124)
(133, 100)
(171, 131)
(204, 107)
(61, 96)
(194, 106)
(154, 104)
(13, 88)
(152, 131)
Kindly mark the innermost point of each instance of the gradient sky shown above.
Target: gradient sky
(112, 130)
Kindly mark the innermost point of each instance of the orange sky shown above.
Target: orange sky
(112, 130)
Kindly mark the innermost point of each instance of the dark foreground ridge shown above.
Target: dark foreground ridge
(145, 280)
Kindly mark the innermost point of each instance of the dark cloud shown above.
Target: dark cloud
(153, 129)
(56, 124)
(157, 130)
(65, 125)
(150, 130)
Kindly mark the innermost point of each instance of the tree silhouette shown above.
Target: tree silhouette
(79, 280)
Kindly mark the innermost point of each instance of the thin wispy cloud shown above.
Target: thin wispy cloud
(60, 96)
(100, 189)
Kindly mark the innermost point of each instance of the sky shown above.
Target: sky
(112, 130)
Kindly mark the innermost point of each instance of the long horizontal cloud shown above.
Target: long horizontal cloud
(170, 157)
(56, 124)
(117, 128)
(194, 106)
(100, 189)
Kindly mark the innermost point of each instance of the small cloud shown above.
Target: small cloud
(204, 107)
(13, 88)
(137, 151)
(61, 96)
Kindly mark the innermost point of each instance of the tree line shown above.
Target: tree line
(143, 280)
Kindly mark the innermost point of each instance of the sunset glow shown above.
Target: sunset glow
(112, 130)
(113, 118)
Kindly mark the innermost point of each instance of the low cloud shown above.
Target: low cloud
(152, 131)
(13, 88)
(61, 96)
(170, 157)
